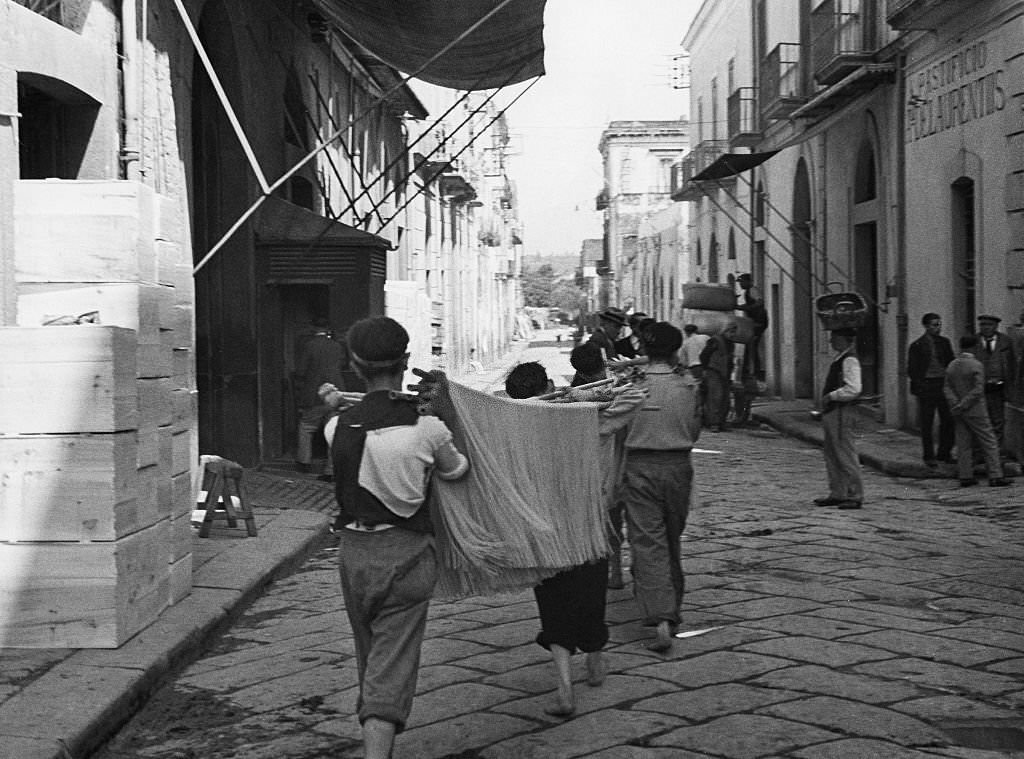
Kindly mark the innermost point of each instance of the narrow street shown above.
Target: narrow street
(895, 631)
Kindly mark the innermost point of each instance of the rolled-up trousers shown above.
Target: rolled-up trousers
(841, 460)
(657, 487)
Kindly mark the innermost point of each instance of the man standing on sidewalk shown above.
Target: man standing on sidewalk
(966, 393)
(842, 389)
(927, 359)
(995, 353)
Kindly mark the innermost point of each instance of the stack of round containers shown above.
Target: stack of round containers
(712, 308)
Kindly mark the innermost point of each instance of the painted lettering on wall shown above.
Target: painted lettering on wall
(955, 90)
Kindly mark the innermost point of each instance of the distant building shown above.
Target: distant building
(638, 159)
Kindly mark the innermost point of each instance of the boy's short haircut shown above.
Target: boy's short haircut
(690, 329)
(526, 380)
(377, 345)
(662, 339)
(586, 358)
(927, 318)
(968, 341)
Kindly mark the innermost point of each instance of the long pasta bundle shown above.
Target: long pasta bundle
(531, 503)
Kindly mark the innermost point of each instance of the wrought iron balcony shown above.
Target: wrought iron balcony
(843, 38)
(692, 164)
(923, 14)
(744, 129)
(781, 86)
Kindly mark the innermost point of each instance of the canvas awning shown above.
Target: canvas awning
(407, 34)
(281, 223)
(731, 164)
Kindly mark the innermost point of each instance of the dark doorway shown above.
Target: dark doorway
(803, 314)
(294, 307)
(865, 278)
(964, 264)
(713, 259)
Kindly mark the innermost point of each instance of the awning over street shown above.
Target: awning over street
(407, 34)
(286, 224)
(731, 164)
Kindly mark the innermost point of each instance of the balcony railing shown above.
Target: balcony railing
(744, 131)
(923, 14)
(692, 164)
(781, 86)
(842, 38)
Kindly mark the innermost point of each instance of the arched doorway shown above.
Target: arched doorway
(803, 315)
(865, 263)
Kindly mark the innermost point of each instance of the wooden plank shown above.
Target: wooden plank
(184, 452)
(181, 532)
(185, 405)
(83, 595)
(74, 231)
(154, 361)
(89, 368)
(181, 495)
(70, 487)
(156, 402)
(144, 308)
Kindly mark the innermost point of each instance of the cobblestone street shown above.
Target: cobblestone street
(895, 631)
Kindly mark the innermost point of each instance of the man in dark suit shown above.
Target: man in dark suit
(323, 359)
(995, 352)
(927, 359)
(612, 320)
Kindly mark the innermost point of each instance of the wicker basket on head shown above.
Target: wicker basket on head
(841, 310)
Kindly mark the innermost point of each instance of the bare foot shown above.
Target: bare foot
(597, 669)
(560, 708)
(662, 640)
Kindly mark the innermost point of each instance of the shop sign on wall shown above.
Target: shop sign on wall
(954, 90)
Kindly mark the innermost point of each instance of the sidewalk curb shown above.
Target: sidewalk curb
(83, 700)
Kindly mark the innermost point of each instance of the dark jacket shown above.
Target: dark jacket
(999, 365)
(919, 355)
(323, 360)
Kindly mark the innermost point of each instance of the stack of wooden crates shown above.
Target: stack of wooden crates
(98, 420)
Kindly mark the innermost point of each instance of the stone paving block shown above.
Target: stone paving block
(810, 588)
(931, 646)
(259, 670)
(617, 689)
(1008, 667)
(766, 607)
(805, 650)
(506, 659)
(452, 701)
(960, 587)
(897, 574)
(463, 734)
(827, 681)
(715, 701)
(982, 632)
(582, 736)
(886, 591)
(871, 616)
(708, 669)
(805, 624)
(745, 737)
(536, 678)
(863, 748)
(703, 599)
(504, 635)
(723, 638)
(448, 650)
(980, 606)
(813, 566)
(940, 710)
(29, 748)
(634, 752)
(512, 612)
(271, 694)
(322, 643)
(941, 675)
(440, 627)
(442, 675)
(853, 718)
(296, 625)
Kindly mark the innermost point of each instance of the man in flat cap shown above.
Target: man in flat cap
(995, 352)
(612, 320)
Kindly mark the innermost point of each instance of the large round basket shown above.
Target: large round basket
(708, 297)
(841, 310)
(710, 322)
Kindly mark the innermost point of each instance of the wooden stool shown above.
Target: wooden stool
(225, 496)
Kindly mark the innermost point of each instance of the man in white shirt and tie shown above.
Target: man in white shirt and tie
(995, 352)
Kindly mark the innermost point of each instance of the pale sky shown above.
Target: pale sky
(606, 60)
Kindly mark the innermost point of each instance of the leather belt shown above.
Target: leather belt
(364, 527)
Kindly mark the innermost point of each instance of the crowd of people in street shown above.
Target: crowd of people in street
(657, 387)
